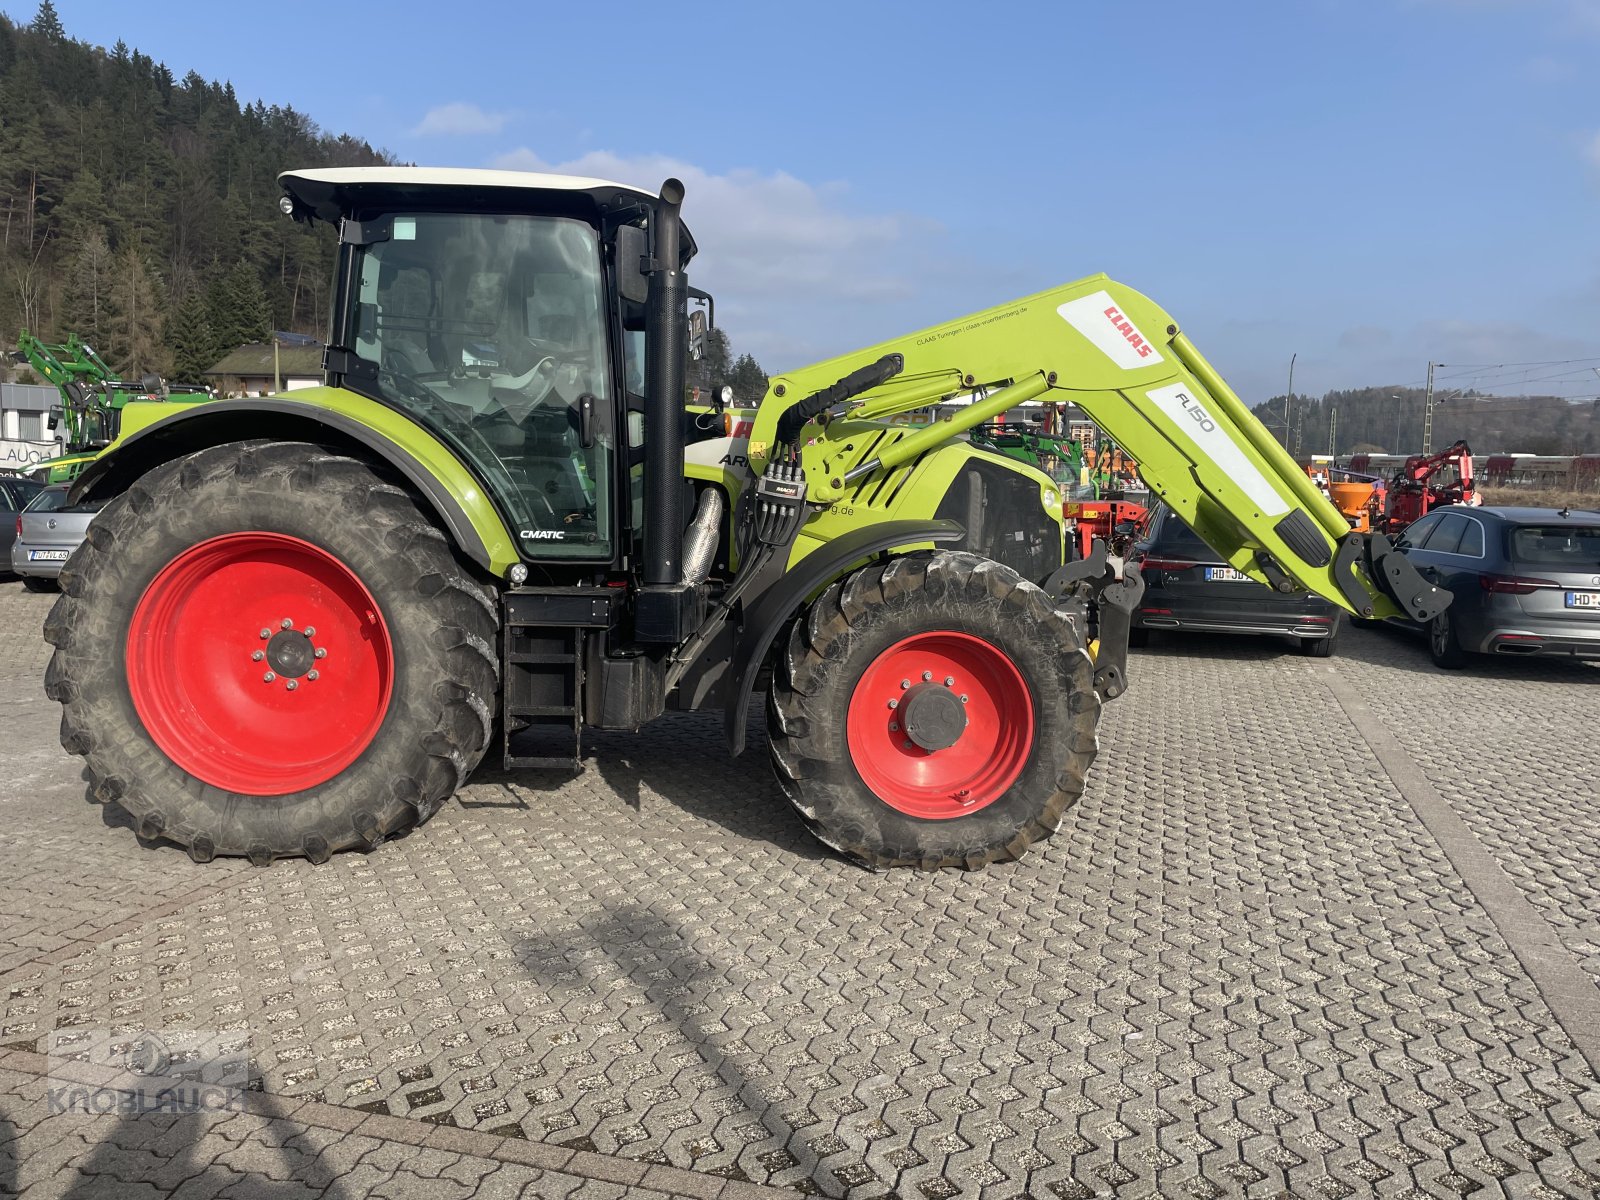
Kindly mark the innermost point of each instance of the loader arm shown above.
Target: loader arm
(1123, 360)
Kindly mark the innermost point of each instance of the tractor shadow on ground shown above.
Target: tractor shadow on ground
(658, 959)
(680, 758)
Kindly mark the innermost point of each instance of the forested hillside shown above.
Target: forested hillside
(140, 210)
(1390, 419)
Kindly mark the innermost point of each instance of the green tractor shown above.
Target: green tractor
(92, 399)
(302, 621)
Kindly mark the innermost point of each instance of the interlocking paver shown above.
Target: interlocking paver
(1244, 967)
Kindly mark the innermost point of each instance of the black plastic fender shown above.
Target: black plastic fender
(230, 420)
(770, 611)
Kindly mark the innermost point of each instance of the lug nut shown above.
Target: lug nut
(258, 656)
(265, 634)
(949, 681)
(904, 684)
(287, 623)
(894, 726)
(926, 676)
(311, 631)
(894, 704)
(321, 653)
(963, 697)
(292, 684)
(906, 745)
(311, 676)
(268, 677)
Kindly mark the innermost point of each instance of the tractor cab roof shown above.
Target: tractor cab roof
(332, 192)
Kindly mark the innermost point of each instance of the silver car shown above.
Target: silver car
(1526, 581)
(48, 530)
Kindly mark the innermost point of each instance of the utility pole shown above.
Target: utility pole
(1288, 404)
(1427, 411)
(1333, 433)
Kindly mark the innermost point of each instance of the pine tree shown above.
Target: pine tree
(90, 285)
(193, 344)
(239, 313)
(135, 323)
(749, 381)
(47, 24)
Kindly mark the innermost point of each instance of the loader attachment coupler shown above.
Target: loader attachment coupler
(1112, 591)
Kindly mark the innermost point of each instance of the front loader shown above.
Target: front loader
(302, 621)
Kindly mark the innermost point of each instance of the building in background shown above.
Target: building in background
(25, 419)
(251, 370)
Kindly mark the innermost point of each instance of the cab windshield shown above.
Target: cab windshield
(491, 331)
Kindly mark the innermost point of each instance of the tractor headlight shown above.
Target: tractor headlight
(517, 573)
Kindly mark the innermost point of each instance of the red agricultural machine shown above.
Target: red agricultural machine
(1427, 481)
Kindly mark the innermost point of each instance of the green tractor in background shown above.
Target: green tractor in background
(302, 621)
(92, 399)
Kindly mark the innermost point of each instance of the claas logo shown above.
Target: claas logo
(1129, 334)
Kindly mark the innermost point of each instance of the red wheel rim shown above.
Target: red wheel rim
(984, 760)
(259, 663)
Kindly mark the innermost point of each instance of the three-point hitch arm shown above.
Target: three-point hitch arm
(1123, 360)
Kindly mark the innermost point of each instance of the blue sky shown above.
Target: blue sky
(1366, 184)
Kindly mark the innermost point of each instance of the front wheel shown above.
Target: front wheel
(267, 649)
(933, 711)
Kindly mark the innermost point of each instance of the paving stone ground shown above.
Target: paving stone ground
(1251, 964)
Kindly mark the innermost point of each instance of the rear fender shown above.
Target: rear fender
(329, 416)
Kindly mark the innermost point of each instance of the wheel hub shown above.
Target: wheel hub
(224, 652)
(290, 653)
(940, 724)
(933, 718)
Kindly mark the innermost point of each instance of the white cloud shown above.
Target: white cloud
(798, 275)
(459, 119)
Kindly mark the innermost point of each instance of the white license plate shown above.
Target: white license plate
(1226, 575)
(1583, 599)
(49, 555)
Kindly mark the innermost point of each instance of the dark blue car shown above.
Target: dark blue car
(1526, 581)
(1190, 587)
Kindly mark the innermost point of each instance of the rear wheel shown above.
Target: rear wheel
(267, 649)
(934, 711)
(1443, 645)
(1322, 647)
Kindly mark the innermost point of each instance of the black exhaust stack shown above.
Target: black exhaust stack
(667, 608)
(667, 341)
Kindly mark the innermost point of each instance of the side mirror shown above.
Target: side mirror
(697, 335)
(633, 246)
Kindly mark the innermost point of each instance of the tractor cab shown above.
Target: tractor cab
(496, 310)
